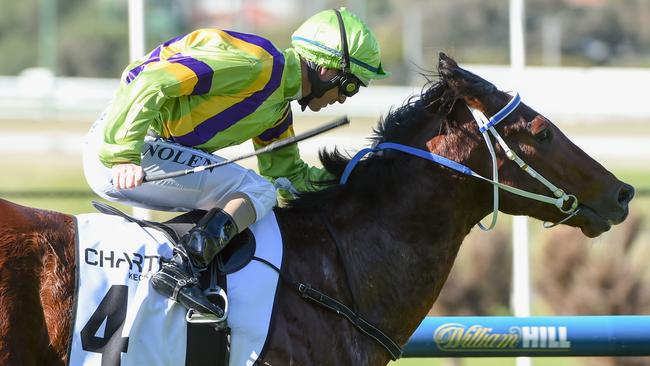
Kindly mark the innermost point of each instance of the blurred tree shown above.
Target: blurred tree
(18, 36)
(165, 20)
(608, 32)
(611, 278)
(93, 34)
(93, 38)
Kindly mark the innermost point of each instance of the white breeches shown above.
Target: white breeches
(203, 190)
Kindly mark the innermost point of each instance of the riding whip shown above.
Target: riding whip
(271, 147)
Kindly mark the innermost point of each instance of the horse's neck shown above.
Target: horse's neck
(399, 252)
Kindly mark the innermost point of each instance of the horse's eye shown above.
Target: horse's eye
(543, 135)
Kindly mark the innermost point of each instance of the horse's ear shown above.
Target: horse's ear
(464, 83)
(446, 61)
(450, 73)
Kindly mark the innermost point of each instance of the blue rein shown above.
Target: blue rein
(406, 149)
(498, 117)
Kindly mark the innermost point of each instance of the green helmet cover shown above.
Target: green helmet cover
(318, 40)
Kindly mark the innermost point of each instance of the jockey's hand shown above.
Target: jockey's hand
(126, 176)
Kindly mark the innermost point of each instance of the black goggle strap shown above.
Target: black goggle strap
(349, 84)
(345, 60)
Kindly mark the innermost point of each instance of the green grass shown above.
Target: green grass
(51, 182)
(63, 173)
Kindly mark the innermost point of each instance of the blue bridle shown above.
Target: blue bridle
(406, 149)
(498, 117)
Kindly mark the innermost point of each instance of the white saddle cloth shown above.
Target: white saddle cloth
(115, 300)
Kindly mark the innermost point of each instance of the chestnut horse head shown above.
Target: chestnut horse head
(603, 199)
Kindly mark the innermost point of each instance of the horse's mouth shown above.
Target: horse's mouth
(594, 224)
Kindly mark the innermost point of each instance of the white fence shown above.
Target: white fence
(563, 94)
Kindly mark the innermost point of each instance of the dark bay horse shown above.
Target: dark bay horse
(398, 224)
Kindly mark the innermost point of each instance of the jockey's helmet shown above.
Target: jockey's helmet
(322, 39)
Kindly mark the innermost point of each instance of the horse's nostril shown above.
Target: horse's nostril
(625, 195)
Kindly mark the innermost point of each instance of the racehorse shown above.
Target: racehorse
(383, 243)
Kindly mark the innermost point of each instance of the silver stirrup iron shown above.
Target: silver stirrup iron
(194, 316)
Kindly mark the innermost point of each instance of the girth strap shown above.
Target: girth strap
(307, 292)
(393, 349)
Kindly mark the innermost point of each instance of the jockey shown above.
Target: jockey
(210, 89)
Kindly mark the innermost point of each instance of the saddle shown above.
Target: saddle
(235, 256)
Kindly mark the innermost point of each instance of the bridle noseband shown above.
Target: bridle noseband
(485, 125)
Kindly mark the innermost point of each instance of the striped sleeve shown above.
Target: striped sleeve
(286, 162)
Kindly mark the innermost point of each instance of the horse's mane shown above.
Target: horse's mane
(398, 126)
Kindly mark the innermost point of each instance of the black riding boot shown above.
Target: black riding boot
(210, 236)
(176, 280)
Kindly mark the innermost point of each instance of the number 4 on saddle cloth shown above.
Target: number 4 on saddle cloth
(121, 320)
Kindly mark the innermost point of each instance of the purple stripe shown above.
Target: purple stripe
(155, 54)
(154, 57)
(202, 70)
(173, 40)
(133, 73)
(277, 131)
(231, 115)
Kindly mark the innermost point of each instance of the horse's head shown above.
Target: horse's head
(603, 199)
